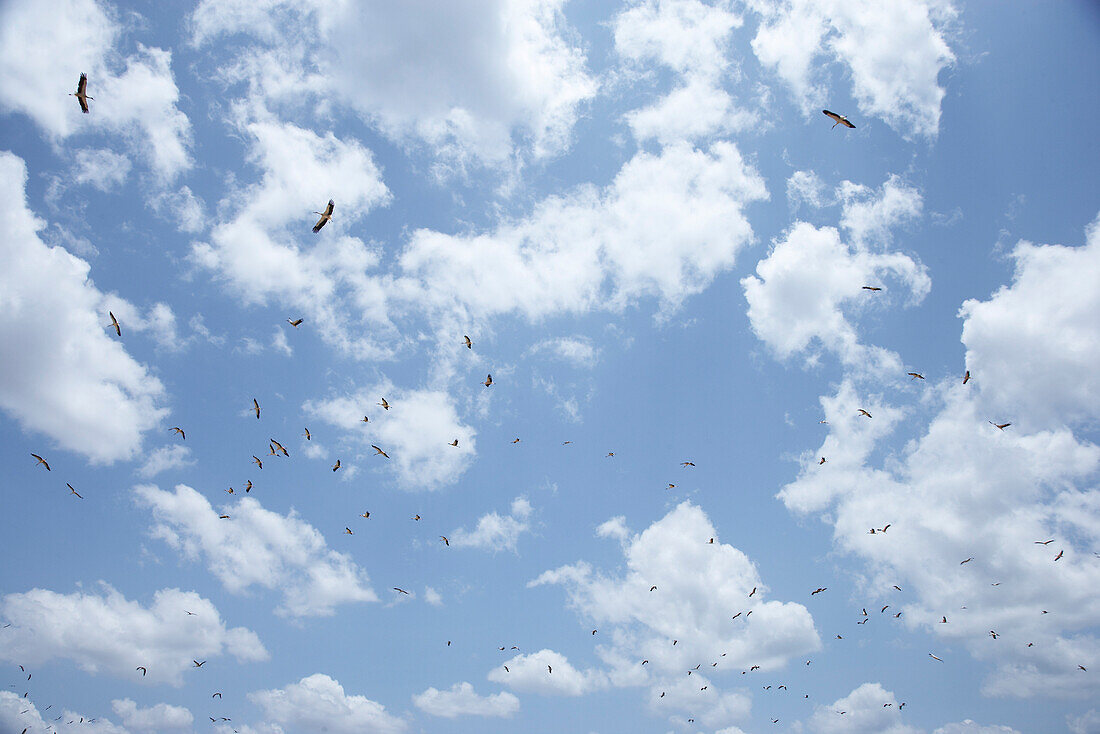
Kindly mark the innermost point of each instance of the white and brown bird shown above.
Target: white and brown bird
(42, 462)
(915, 375)
(295, 323)
(872, 288)
(384, 404)
(454, 443)
(488, 380)
(822, 461)
(840, 119)
(336, 465)
(326, 215)
(257, 462)
(114, 323)
(469, 344)
(366, 514)
(73, 491)
(81, 93)
(401, 591)
(378, 451)
(280, 447)
(864, 412)
(445, 541)
(256, 407)
(177, 429)
(686, 463)
(1002, 426)
(308, 437)
(347, 531)
(934, 657)
(966, 377)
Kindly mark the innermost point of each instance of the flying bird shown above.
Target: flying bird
(934, 657)
(42, 462)
(142, 669)
(379, 451)
(488, 380)
(454, 443)
(840, 119)
(1002, 426)
(216, 695)
(198, 664)
(871, 287)
(81, 93)
(179, 430)
(223, 517)
(1059, 556)
(280, 447)
(256, 407)
(609, 454)
(402, 591)
(469, 344)
(549, 669)
(753, 591)
(515, 441)
(73, 491)
(257, 462)
(966, 377)
(326, 215)
(295, 323)
(686, 463)
(114, 323)
(864, 412)
(652, 588)
(384, 404)
(336, 465)
(347, 531)
(1044, 542)
(818, 590)
(365, 514)
(822, 461)
(248, 486)
(968, 560)
(915, 375)
(416, 517)
(444, 539)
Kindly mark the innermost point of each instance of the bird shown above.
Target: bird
(142, 669)
(445, 541)
(379, 451)
(686, 463)
(223, 517)
(416, 517)
(506, 669)
(347, 531)
(609, 454)
(736, 615)
(897, 587)
(1044, 542)
(256, 407)
(295, 323)
(993, 634)
(864, 412)
(402, 591)
(819, 590)
(711, 541)
(364, 419)
(884, 609)
(454, 443)
(114, 323)
(840, 119)
(966, 377)
(469, 344)
(871, 287)
(593, 631)
(257, 462)
(81, 93)
(884, 528)
(753, 591)
(671, 485)
(336, 465)
(652, 588)
(934, 657)
(822, 461)
(230, 490)
(365, 514)
(488, 380)
(42, 462)
(915, 375)
(308, 437)
(216, 695)
(198, 664)
(1082, 667)
(384, 404)
(943, 620)
(1059, 556)
(549, 669)
(179, 430)
(248, 486)
(645, 662)
(73, 491)
(515, 440)
(326, 215)
(1002, 426)
(280, 447)
(968, 560)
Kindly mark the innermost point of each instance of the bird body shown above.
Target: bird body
(179, 430)
(378, 451)
(326, 215)
(469, 344)
(42, 462)
(488, 380)
(256, 407)
(336, 465)
(114, 321)
(840, 119)
(81, 93)
(295, 323)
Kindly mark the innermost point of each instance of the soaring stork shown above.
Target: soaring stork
(840, 119)
(81, 93)
(326, 215)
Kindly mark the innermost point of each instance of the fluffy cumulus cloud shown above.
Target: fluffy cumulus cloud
(475, 82)
(108, 633)
(691, 38)
(495, 531)
(1036, 349)
(44, 46)
(91, 397)
(577, 350)
(318, 703)
(416, 432)
(893, 54)
(265, 247)
(161, 717)
(165, 458)
(258, 547)
(962, 489)
(21, 714)
(665, 227)
(695, 610)
(463, 700)
(547, 672)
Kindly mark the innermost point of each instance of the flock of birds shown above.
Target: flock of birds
(277, 449)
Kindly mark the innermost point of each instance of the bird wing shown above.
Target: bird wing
(82, 85)
(328, 209)
(833, 115)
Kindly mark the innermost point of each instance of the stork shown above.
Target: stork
(840, 119)
(326, 215)
(81, 93)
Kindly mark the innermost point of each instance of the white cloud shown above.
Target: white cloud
(1086, 723)
(970, 727)
(432, 597)
(578, 350)
(807, 187)
(18, 713)
(45, 45)
(103, 169)
(164, 458)
(279, 342)
(258, 547)
(547, 672)
(182, 207)
(109, 633)
(1032, 350)
(495, 531)
(893, 55)
(693, 609)
(318, 703)
(869, 215)
(475, 82)
(50, 300)
(266, 248)
(161, 717)
(416, 432)
(863, 711)
(665, 227)
(462, 700)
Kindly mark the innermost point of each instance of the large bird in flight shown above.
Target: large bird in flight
(256, 407)
(326, 215)
(114, 321)
(379, 451)
(81, 93)
(840, 119)
(42, 462)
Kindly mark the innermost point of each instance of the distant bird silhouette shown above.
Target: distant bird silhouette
(198, 664)
(295, 323)
(454, 443)
(308, 437)
(73, 491)
(142, 669)
(840, 119)
(42, 462)
(256, 407)
(469, 344)
(822, 461)
(966, 377)
(402, 591)
(1044, 542)
(384, 404)
(336, 465)
(1002, 426)
(934, 657)
(379, 451)
(114, 323)
(179, 430)
(488, 380)
(864, 412)
(257, 462)
(1059, 556)
(870, 287)
(818, 590)
(915, 375)
(445, 541)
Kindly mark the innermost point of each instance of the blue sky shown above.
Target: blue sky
(658, 246)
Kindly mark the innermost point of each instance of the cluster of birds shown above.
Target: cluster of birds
(278, 449)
